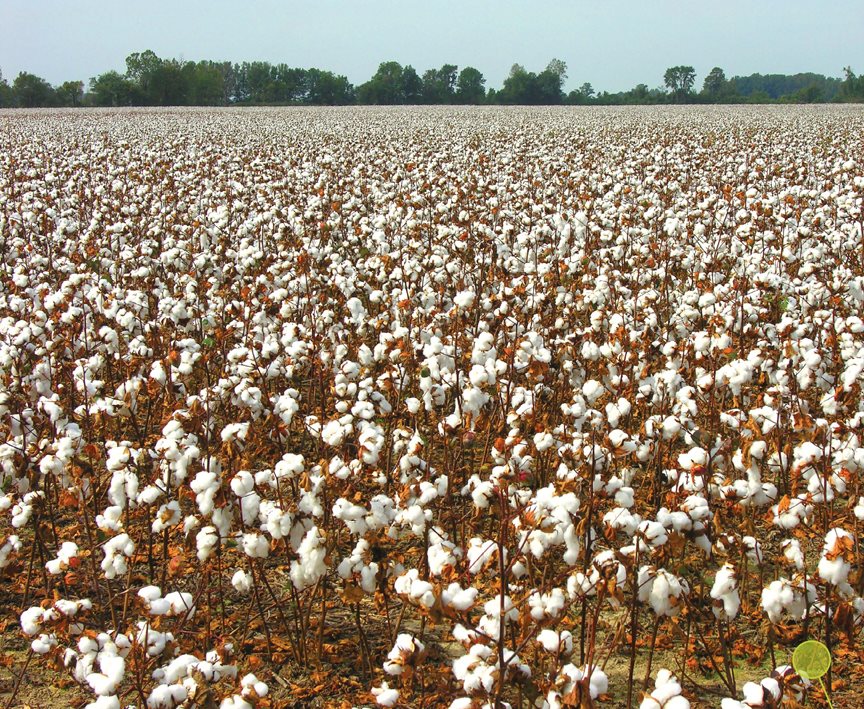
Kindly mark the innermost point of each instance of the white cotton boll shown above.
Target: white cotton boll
(556, 642)
(772, 687)
(206, 541)
(413, 405)
(167, 696)
(242, 581)
(256, 545)
(333, 433)
(384, 696)
(473, 400)
(653, 532)
(834, 571)
(67, 552)
(167, 516)
(479, 553)
(543, 441)
(458, 598)
(10, 546)
(666, 693)
(234, 431)
(592, 390)
(252, 687)
(117, 550)
(43, 644)
(792, 552)
(546, 605)
(598, 684)
(776, 598)
(406, 650)
(290, 466)
(753, 694)
(837, 553)
(464, 299)
(725, 592)
(113, 669)
(310, 566)
(150, 593)
(109, 702)
(235, 702)
(180, 603)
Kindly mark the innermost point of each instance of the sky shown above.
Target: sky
(613, 44)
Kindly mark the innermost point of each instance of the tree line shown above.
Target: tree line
(152, 81)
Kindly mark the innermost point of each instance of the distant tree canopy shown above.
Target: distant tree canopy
(152, 81)
(527, 88)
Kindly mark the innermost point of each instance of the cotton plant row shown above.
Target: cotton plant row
(496, 375)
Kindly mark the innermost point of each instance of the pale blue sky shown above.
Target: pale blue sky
(614, 44)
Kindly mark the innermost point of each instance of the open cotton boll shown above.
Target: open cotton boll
(66, 557)
(117, 550)
(109, 702)
(570, 676)
(666, 693)
(234, 432)
(547, 605)
(556, 641)
(166, 696)
(837, 555)
(385, 696)
(652, 532)
(310, 565)
(256, 545)
(784, 596)
(458, 598)
(407, 650)
(725, 593)
(252, 688)
(9, 547)
(113, 669)
(167, 516)
(242, 581)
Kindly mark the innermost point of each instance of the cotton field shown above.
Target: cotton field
(432, 407)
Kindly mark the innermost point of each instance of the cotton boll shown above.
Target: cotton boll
(166, 696)
(385, 696)
(256, 546)
(556, 642)
(666, 693)
(310, 566)
(725, 593)
(407, 650)
(837, 555)
(167, 516)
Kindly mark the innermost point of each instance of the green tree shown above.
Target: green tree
(520, 86)
(385, 87)
(111, 89)
(412, 86)
(205, 84)
(70, 93)
(679, 80)
(470, 86)
(31, 91)
(324, 88)
(715, 86)
(550, 83)
(852, 88)
(144, 70)
(6, 97)
(439, 85)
